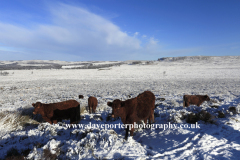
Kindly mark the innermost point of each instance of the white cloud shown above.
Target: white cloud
(76, 32)
(136, 34)
(153, 41)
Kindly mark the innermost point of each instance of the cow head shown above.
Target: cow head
(37, 108)
(116, 108)
(206, 98)
(80, 97)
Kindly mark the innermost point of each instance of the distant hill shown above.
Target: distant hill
(51, 64)
(54, 64)
(199, 58)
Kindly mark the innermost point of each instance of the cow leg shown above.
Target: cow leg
(90, 111)
(145, 120)
(78, 113)
(78, 117)
(50, 122)
(151, 118)
(126, 134)
(132, 130)
(47, 119)
(55, 121)
(187, 104)
(94, 109)
(200, 104)
(73, 118)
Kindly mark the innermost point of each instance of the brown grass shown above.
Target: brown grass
(15, 121)
(82, 109)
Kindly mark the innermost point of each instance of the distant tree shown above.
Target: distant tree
(136, 62)
(4, 73)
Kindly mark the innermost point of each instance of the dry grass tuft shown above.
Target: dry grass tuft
(11, 121)
(83, 110)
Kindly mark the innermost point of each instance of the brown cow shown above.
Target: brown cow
(57, 111)
(92, 104)
(134, 110)
(194, 99)
(80, 97)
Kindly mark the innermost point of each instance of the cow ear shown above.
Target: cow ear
(33, 105)
(109, 104)
(122, 104)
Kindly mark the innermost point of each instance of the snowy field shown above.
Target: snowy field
(21, 133)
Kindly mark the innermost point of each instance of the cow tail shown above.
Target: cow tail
(78, 113)
(184, 101)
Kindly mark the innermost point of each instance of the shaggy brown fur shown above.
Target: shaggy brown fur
(149, 97)
(134, 110)
(194, 99)
(55, 111)
(92, 104)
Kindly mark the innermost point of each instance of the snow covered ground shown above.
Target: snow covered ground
(21, 133)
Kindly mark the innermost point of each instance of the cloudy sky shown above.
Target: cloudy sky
(100, 30)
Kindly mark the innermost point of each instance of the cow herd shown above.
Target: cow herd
(130, 111)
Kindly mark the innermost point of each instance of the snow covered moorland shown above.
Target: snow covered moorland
(217, 135)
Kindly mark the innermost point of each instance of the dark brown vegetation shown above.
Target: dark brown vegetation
(233, 110)
(201, 116)
(214, 106)
(54, 112)
(13, 154)
(134, 110)
(48, 155)
(221, 114)
(194, 99)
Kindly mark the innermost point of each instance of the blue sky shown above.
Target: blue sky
(100, 30)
